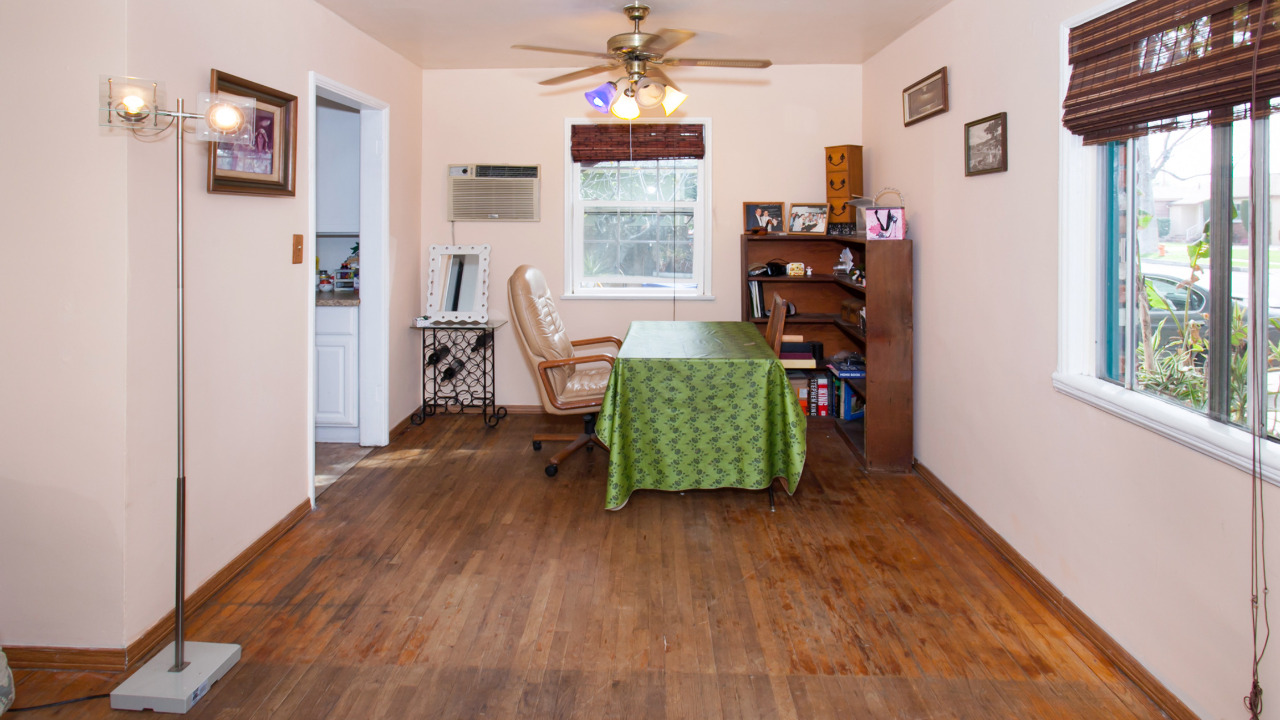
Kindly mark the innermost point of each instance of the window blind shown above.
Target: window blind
(652, 141)
(1156, 65)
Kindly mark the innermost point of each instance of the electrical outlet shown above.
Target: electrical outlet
(297, 249)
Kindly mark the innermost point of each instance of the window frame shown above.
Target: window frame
(1081, 171)
(573, 225)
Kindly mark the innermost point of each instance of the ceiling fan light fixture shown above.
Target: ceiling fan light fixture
(672, 100)
(649, 93)
(602, 97)
(625, 106)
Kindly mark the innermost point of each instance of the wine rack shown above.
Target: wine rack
(457, 371)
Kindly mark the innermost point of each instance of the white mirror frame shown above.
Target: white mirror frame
(437, 277)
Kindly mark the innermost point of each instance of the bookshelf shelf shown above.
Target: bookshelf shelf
(883, 439)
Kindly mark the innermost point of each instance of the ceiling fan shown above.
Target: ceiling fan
(639, 54)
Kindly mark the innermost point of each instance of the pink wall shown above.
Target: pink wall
(93, 350)
(1147, 537)
(768, 130)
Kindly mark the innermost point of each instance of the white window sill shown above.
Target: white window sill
(1225, 443)
(634, 296)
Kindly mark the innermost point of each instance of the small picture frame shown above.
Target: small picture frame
(764, 217)
(925, 98)
(986, 145)
(267, 166)
(886, 223)
(807, 219)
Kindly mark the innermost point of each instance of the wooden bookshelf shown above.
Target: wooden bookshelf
(883, 438)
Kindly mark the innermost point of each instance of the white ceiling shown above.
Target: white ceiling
(473, 34)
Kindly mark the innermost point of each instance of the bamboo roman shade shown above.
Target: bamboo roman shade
(616, 141)
(1157, 65)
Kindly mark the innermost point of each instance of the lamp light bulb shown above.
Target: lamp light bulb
(625, 107)
(224, 117)
(672, 100)
(133, 104)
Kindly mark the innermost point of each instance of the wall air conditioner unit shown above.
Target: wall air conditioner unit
(494, 192)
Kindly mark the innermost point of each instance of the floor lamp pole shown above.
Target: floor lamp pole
(157, 685)
(180, 573)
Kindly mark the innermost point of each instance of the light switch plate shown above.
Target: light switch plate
(297, 249)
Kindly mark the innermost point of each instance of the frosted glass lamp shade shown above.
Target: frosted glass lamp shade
(602, 97)
(625, 107)
(128, 101)
(672, 99)
(225, 118)
(649, 93)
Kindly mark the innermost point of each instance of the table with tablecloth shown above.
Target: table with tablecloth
(699, 405)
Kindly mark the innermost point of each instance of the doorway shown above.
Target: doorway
(369, 343)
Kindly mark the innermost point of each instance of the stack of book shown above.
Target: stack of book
(800, 355)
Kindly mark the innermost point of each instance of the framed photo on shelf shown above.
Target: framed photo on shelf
(763, 217)
(266, 167)
(886, 223)
(807, 219)
(986, 145)
(924, 99)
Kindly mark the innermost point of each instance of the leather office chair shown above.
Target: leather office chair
(568, 384)
(777, 319)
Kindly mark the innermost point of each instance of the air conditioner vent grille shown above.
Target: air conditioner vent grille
(494, 193)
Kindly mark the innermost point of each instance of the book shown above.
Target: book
(824, 396)
(797, 361)
(848, 372)
(792, 338)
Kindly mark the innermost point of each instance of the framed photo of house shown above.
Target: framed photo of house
(924, 99)
(986, 145)
(807, 219)
(763, 217)
(886, 223)
(265, 167)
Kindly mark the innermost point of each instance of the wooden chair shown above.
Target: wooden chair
(568, 384)
(777, 319)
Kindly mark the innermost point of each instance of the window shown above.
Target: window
(638, 219)
(1161, 261)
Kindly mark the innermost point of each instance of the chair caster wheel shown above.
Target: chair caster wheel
(551, 470)
(537, 444)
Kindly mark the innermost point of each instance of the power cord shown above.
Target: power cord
(61, 702)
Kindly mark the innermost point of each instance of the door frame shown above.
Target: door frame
(375, 267)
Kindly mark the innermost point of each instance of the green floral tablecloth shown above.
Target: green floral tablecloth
(699, 405)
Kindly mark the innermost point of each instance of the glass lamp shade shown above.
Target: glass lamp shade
(672, 99)
(602, 97)
(225, 118)
(625, 107)
(649, 93)
(128, 101)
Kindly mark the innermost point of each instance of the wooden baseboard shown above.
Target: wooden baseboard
(1066, 610)
(121, 659)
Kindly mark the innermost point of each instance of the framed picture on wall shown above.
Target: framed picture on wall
(762, 217)
(986, 145)
(807, 219)
(925, 98)
(265, 167)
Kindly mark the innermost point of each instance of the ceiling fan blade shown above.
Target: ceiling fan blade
(708, 62)
(669, 38)
(578, 74)
(584, 53)
(656, 73)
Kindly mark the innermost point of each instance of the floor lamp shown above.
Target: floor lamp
(135, 105)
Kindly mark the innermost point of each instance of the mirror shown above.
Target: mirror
(458, 283)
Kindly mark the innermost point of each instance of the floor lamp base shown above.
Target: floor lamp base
(153, 687)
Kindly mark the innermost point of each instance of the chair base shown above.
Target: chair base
(587, 439)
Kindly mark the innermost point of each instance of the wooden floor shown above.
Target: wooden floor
(447, 577)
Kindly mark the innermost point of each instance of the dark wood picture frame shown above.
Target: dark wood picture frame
(751, 222)
(269, 165)
(795, 218)
(989, 154)
(925, 98)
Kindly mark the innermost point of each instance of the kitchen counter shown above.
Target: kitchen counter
(338, 298)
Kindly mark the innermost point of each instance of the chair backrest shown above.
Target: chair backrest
(537, 325)
(777, 319)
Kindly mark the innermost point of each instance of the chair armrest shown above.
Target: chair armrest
(596, 341)
(545, 367)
